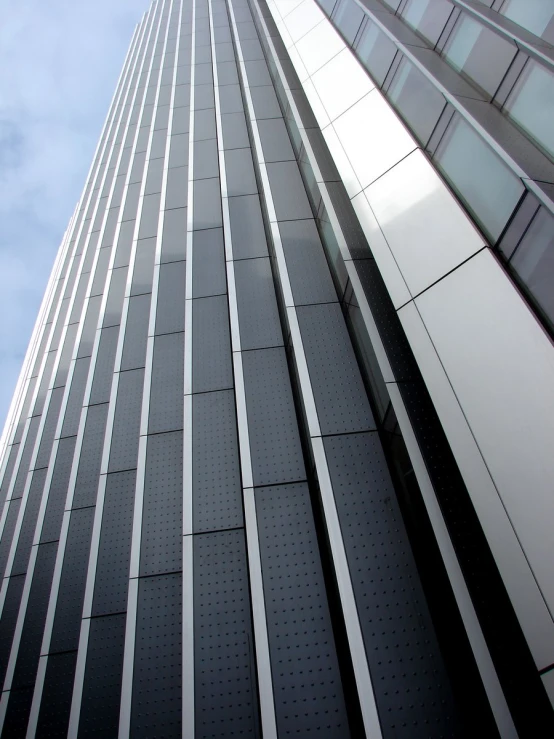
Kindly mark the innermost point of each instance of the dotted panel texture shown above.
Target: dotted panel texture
(17, 713)
(126, 426)
(26, 458)
(162, 517)
(8, 621)
(170, 313)
(29, 523)
(224, 662)
(112, 569)
(14, 451)
(157, 704)
(212, 367)
(208, 263)
(216, 483)
(58, 490)
(67, 621)
(88, 472)
(103, 678)
(35, 616)
(103, 371)
(7, 534)
(274, 439)
(309, 700)
(409, 678)
(136, 333)
(340, 397)
(53, 718)
(74, 406)
(258, 315)
(47, 437)
(167, 388)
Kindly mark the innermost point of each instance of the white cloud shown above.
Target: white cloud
(59, 64)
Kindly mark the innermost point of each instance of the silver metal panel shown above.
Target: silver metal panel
(319, 46)
(303, 18)
(340, 84)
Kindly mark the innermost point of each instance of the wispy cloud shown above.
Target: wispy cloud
(59, 63)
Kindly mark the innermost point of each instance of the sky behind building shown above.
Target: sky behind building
(60, 61)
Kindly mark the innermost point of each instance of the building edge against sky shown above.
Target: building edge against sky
(279, 459)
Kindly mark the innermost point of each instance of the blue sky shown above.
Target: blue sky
(59, 64)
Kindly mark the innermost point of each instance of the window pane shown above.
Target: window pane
(531, 104)
(536, 16)
(427, 17)
(376, 52)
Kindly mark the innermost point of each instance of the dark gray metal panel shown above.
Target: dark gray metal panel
(35, 617)
(162, 517)
(216, 483)
(101, 271)
(150, 216)
(287, 189)
(14, 451)
(69, 606)
(203, 96)
(124, 243)
(239, 169)
(131, 202)
(177, 189)
(166, 394)
(208, 263)
(65, 357)
(154, 178)
(112, 569)
(170, 315)
(276, 144)
(79, 298)
(179, 150)
(259, 322)
(114, 304)
(206, 162)
(257, 73)
(88, 472)
(109, 228)
(25, 460)
(226, 71)
(247, 227)
(159, 140)
(394, 616)
(306, 263)
(58, 490)
(53, 718)
(272, 425)
(75, 401)
(126, 426)
(103, 678)
(49, 429)
(235, 133)
(230, 99)
(212, 367)
(340, 397)
(174, 238)
(29, 523)
(204, 124)
(144, 267)
(181, 120)
(207, 204)
(17, 713)
(7, 534)
(307, 685)
(9, 620)
(89, 328)
(224, 663)
(136, 333)
(157, 704)
(265, 102)
(103, 371)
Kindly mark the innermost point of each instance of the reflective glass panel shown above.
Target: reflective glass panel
(427, 17)
(536, 16)
(376, 52)
(531, 104)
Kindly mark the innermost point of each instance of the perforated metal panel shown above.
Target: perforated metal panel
(341, 401)
(208, 263)
(75, 401)
(101, 271)
(103, 371)
(114, 304)
(88, 471)
(410, 682)
(170, 314)
(174, 236)
(274, 439)
(53, 718)
(156, 708)
(144, 267)
(258, 315)
(162, 518)
(17, 713)
(124, 243)
(8, 621)
(306, 678)
(7, 534)
(126, 426)
(212, 367)
(89, 327)
(112, 569)
(29, 523)
(217, 494)
(65, 356)
(58, 490)
(224, 663)
(35, 615)
(49, 429)
(69, 607)
(103, 678)
(167, 388)
(21, 478)
(45, 383)
(306, 263)
(12, 456)
(136, 333)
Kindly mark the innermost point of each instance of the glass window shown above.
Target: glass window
(348, 17)
(533, 260)
(479, 53)
(531, 104)
(427, 17)
(487, 186)
(536, 16)
(416, 99)
(376, 52)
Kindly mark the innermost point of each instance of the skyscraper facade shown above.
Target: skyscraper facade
(279, 462)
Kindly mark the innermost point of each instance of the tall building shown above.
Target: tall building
(279, 462)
